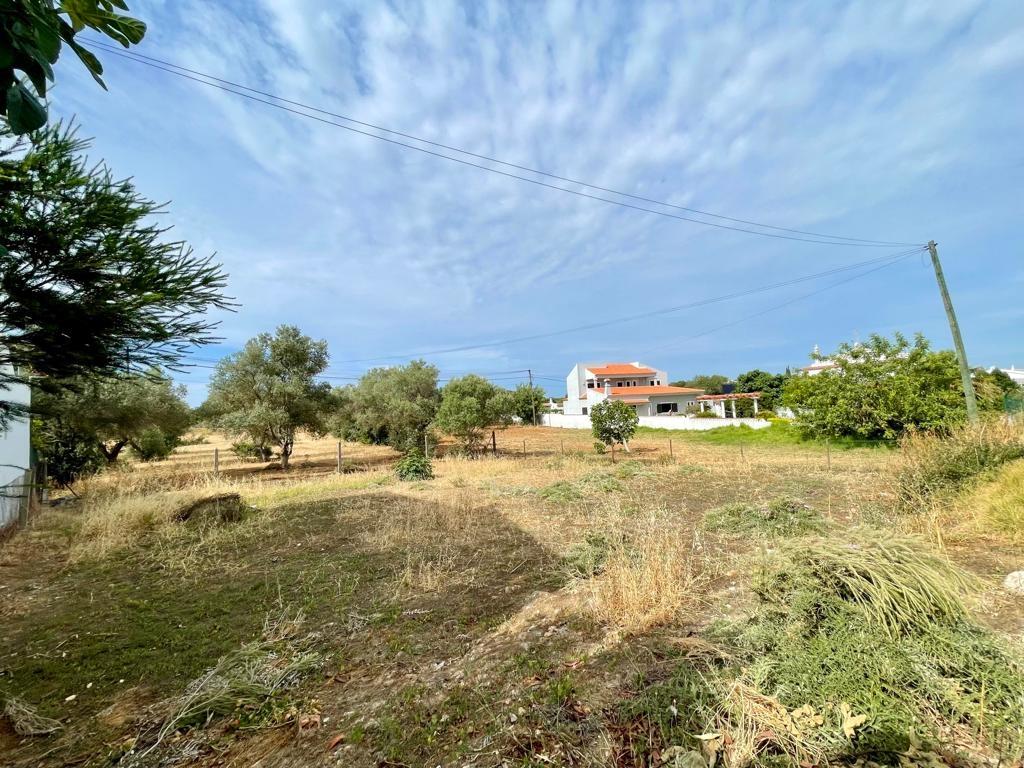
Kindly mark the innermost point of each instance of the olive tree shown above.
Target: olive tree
(390, 406)
(471, 404)
(145, 411)
(268, 391)
(612, 421)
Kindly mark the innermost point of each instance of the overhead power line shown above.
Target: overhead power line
(281, 102)
(788, 302)
(643, 315)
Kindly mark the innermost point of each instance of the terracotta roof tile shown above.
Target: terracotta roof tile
(621, 369)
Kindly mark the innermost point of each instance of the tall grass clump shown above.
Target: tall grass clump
(997, 506)
(647, 577)
(930, 464)
(864, 648)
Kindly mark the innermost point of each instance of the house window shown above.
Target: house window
(668, 407)
(590, 384)
(652, 382)
(584, 411)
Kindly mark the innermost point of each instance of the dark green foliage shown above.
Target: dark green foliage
(880, 389)
(68, 453)
(153, 444)
(770, 385)
(471, 404)
(414, 466)
(389, 406)
(529, 403)
(251, 451)
(612, 421)
(711, 383)
(780, 517)
(668, 711)
(144, 411)
(32, 33)
(90, 287)
(268, 391)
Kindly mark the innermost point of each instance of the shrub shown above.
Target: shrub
(414, 466)
(781, 517)
(153, 445)
(930, 464)
(705, 415)
(246, 450)
(599, 447)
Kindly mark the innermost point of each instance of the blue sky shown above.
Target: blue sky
(893, 121)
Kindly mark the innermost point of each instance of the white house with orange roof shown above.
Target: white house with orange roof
(641, 386)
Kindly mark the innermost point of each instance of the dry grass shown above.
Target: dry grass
(648, 576)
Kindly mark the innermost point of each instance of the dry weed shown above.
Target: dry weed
(648, 576)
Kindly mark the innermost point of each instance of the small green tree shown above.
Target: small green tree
(770, 385)
(268, 391)
(529, 403)
(612, 421)
(389, 406)
(879, 389)
(144, 411)
(32, 33)
(471, 404)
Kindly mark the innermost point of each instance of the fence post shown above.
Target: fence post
(494, 444)
(44, 480)
(25, 496)
(524, 448)
(671, 455)
(216, 462)
(613, 453)
(339, 457)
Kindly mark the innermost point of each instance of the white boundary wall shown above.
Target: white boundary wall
(657, 422)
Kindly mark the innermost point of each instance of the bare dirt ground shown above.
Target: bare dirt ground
(449, 616)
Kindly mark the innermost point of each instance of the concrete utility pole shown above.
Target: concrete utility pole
(958, 342)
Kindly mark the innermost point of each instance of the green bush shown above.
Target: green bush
(705, 415)
(153, 445)
(599, 447)
(780, 517)
(414, 466)
(246, 450)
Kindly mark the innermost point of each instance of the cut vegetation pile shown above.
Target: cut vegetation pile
(781, 517)
(859, 649)
(864, 647)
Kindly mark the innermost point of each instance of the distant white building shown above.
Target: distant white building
(644, 388)
(1016, 374)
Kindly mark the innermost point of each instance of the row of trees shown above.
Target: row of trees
(269, 391)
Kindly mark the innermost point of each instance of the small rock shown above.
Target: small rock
(1014, 583)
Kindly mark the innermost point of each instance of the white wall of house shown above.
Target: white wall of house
(15, 452)
(566, 421)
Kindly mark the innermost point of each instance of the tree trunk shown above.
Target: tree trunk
(625, 446)
(286, 452)
(111, 453)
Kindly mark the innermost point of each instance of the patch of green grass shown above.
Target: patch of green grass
(668, 711)
(779, 518)
(567, 491)
(782, 432)
(561, 492)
